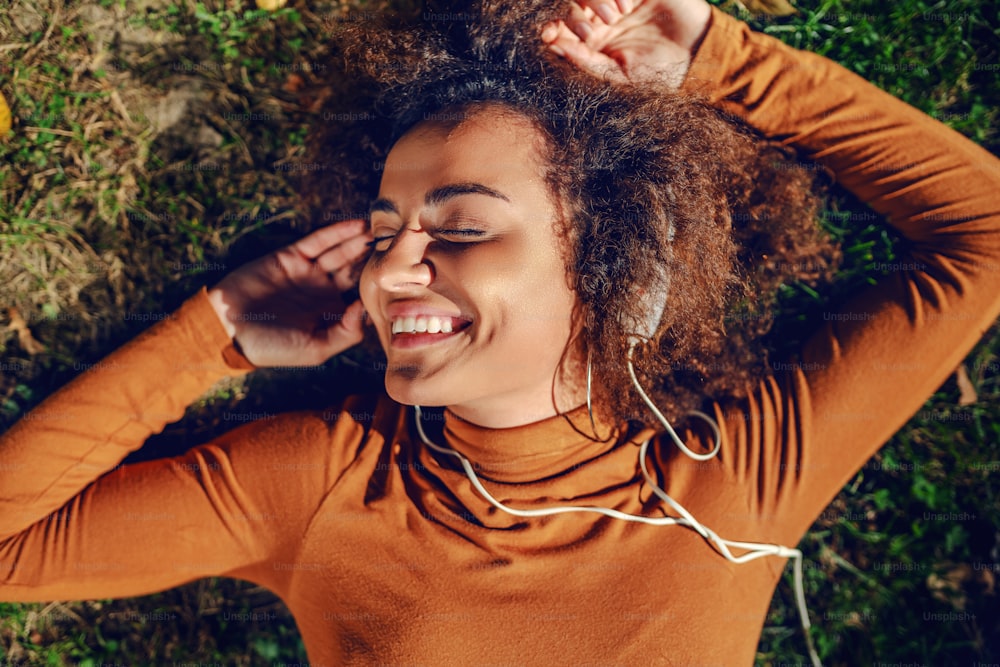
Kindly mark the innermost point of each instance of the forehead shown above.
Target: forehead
(495, 147)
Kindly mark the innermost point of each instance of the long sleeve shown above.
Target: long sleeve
(872, 364)
(230, 507)
(95, 421)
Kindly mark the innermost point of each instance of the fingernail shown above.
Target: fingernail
(558, 50)
(606, 12)
(583, 29)
(549, 33)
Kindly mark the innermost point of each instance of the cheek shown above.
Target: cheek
(365, 288)
(533, 304)
(367, 292)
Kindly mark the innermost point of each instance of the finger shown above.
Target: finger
(300, 269)
(582, 21)
(316, 243)
(550, 31)
(568, 45)
(606, 9)
(344, 255)
(344, 278)
(347, 331)
(563, 38)
(581, 7)
(326, 275)
(354, 319)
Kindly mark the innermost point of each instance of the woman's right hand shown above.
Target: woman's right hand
(286, 308)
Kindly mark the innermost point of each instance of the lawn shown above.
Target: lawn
(158, 145)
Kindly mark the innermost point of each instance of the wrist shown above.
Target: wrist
(217, 298)
(702, 22)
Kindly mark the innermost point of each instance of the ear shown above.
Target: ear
(577, 346)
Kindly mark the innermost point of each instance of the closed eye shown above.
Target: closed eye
(373, 244)
(466, 233)
(381, 243)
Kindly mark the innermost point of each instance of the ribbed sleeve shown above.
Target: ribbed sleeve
(872, 363)
(236, 506)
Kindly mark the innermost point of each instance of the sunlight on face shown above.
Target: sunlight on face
(465, 231)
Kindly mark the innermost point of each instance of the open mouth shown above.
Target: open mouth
(427, 324)
(414, 331)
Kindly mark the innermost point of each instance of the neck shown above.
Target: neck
(515, 413)
(567, 391)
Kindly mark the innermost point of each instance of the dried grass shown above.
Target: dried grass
(132, 169)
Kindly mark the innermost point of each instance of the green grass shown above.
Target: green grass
(900, 564)
(99, 216)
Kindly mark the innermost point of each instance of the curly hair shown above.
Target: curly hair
(623, 161)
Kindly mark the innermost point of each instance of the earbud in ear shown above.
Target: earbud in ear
(653, 298)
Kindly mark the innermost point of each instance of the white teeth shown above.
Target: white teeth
(421, 324)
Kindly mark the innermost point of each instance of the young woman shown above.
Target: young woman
(550, 210)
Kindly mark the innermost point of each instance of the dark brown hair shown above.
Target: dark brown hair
(624, 159)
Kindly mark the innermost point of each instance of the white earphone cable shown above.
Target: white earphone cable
(754, 550)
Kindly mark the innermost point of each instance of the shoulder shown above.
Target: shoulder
(360, 426)
(330, 439)
(363, 410)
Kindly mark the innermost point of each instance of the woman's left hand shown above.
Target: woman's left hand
(650, 43)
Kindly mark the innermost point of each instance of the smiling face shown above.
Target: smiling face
(465, 230)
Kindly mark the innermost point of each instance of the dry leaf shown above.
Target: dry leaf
(948, 587)
(967, 395)
(4, 116)
(988, 582)
(293, 83)
(24, 337)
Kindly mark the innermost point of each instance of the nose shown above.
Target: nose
(404, 265)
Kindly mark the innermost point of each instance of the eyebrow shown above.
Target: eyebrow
(441, 195)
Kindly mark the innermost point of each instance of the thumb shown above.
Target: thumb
(348, 331)
(354, 319)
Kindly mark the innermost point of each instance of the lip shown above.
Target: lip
(403, 341)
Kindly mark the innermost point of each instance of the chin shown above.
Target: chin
(407, 390)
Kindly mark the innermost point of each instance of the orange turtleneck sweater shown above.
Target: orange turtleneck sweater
(382, 549)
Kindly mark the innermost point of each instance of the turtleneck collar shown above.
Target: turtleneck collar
(530, 452)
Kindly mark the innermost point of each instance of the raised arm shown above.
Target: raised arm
(91, 424)
(870, 366)
(66, 531)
